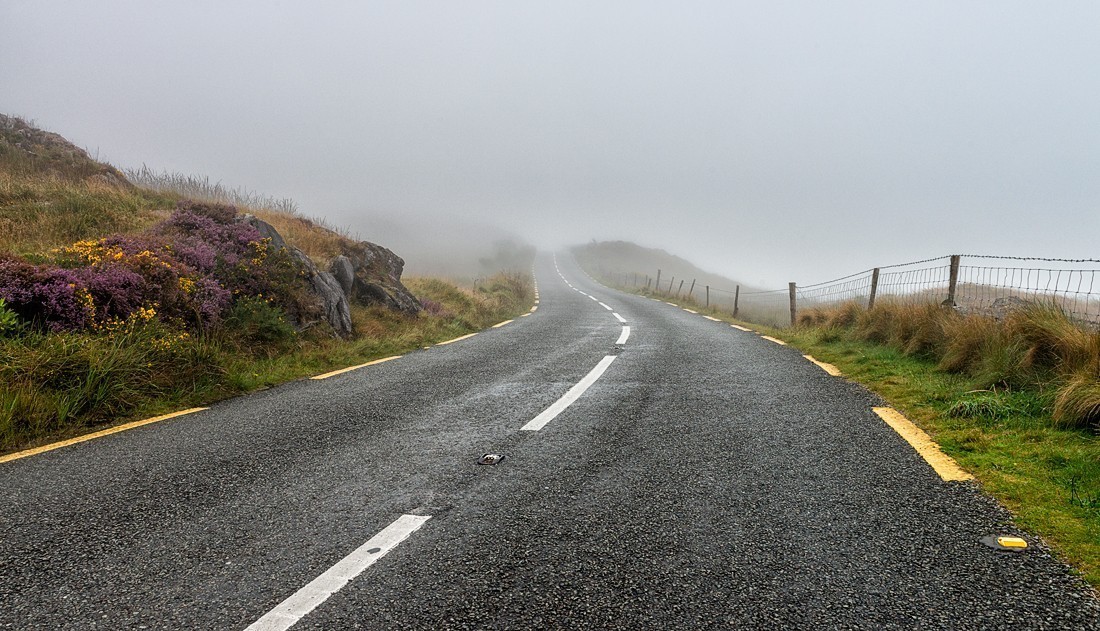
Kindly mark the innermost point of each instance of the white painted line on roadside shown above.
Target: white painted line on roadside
(497, 326)
(741, 328)
(568, 398)
(534, 309)
(287, 613)
(618, 317)
(605, 306)
(593, 297)
(690, 311)
(712, 319)
(626, 334)
(671, 303)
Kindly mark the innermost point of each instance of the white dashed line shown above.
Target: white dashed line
(605, 306)
(626, 334)
(712, 319)
(287, 613)
(568, 398)
(618, 317)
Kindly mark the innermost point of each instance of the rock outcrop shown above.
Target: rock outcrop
(366, 273)
(376, 277)
(334, 302)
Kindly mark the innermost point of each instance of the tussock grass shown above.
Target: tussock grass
(1037, 347)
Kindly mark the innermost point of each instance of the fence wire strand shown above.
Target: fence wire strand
(985, 285)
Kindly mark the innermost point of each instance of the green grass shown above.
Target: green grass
(57, 385)
(990, 401)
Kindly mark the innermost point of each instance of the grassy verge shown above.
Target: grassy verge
(994, 395)
(57, 385)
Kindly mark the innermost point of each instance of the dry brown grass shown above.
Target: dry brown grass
(1038, 347)
(40, 213)
(319, 241)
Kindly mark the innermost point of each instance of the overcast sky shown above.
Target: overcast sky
(770, 141)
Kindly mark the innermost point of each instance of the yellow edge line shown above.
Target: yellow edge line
(457, 339)
(525, 314)
(497, 326)
(829, 368)
(772, 339)
(712, 319)
(741, 328)
(534, 309)
(351, 368)
(86, 437)
(944, 465)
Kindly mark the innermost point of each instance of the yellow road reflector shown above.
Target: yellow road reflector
(351, 368)
(772, 339)
(86, 437)
(1012, 542)
(497, 326)
(741, 328)
(829, 368)
(944, 465)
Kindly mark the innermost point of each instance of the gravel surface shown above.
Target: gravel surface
(709, 478)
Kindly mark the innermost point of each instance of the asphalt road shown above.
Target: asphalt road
(707, 478)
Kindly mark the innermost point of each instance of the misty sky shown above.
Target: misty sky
(770, 141)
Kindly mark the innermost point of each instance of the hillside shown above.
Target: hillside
(120, 299)
(620, 261)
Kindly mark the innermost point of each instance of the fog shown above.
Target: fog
(768, 141)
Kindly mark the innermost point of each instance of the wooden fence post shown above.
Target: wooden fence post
(953, 282)
(657, 285)
(794, 311)
(874, 289)
(669, 292)
(692, 288)
(736, 297)
(708, 295)
(679, 289)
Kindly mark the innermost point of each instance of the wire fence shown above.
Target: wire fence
(968, 283)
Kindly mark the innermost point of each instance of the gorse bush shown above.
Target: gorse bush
(1037, 347)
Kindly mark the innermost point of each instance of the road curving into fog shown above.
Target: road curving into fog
(660, 470)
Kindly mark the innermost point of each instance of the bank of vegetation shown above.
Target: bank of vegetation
(119, 301)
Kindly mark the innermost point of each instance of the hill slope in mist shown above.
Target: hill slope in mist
(619, 261)
(449, 247)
